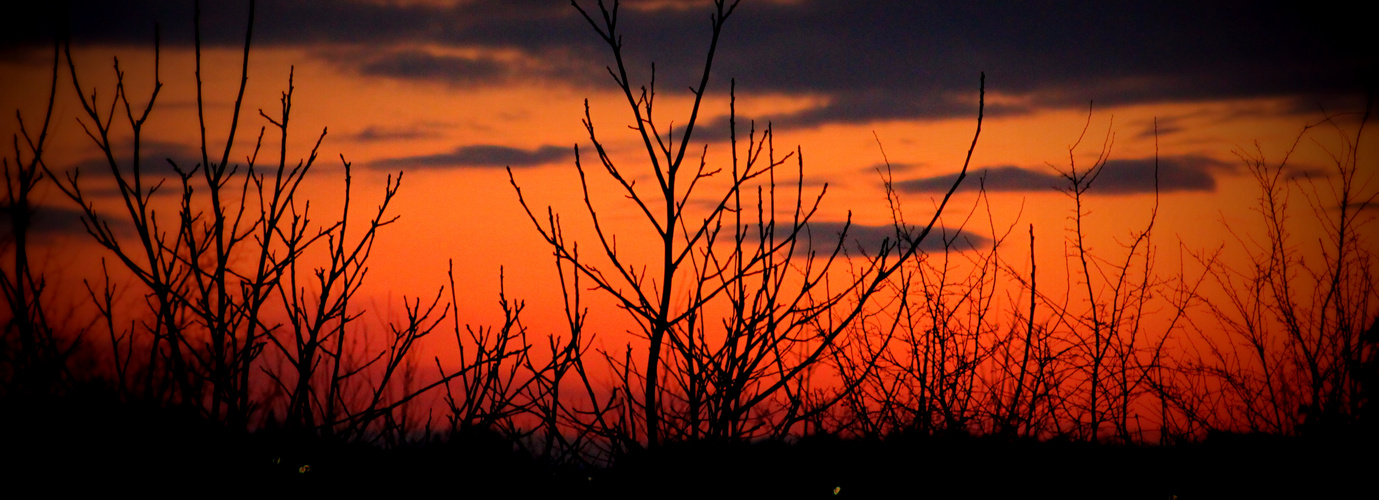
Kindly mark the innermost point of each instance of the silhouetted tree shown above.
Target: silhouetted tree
(1295, 356)
(33, 356)
(738, 308)
(242, 269)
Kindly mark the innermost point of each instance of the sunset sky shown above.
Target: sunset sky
(451, 92)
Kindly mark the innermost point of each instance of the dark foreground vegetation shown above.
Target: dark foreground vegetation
(775, 358)
(134, 448)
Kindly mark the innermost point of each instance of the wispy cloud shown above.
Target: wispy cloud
(479, 156)
(155, 162)
(867, 240)
(1366, 205)
(894, 167)
(1162, 126)
(721, 129)
(1128, 176)
(49, 221)
(374, 133)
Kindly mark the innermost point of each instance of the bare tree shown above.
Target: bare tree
(242, 269)
(921, 368)
(1297, 356)
(1114, 357)
(33, 355)
(739, 308)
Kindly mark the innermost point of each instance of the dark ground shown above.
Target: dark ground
(95, 446)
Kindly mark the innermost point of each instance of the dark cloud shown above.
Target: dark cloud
(414, 64)
(1129, 176)
(479, 156)
(373, 133)
(1304, 172)
(301, 22)
(870, 61)
(48, 221)
(868, 240)
(1159, 127)
(1370, 204)
(1159, 131)
(1002, 178)
(900, 55)
(720, 129)
(894, 104)
(894, 168)
(155, 162)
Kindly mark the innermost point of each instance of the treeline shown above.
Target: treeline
(750, 328)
